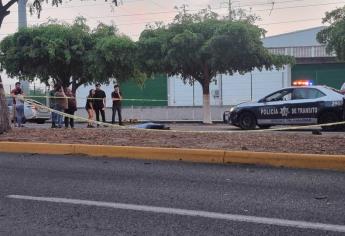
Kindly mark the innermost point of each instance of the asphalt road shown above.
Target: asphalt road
(63, 195)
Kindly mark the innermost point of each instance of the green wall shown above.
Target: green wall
(332, 75)
(153, 89)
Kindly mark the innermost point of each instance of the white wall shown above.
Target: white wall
(236, 88)
(181, 94)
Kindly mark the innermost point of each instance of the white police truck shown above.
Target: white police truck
(297, 105)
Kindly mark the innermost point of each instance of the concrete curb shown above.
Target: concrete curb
(305, 161)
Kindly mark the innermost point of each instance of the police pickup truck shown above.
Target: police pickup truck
(304, 105)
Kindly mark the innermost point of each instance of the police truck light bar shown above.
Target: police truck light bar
(302, 83)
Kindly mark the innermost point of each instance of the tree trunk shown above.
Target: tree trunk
(4, 114)
(206, 102)
(4, 10)
(75, 86)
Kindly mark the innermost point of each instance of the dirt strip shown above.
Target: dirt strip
(284, 142)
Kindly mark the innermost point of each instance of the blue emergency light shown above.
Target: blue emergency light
(302, 83)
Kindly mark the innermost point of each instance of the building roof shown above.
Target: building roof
(306, 37)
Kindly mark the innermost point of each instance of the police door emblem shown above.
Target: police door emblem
(284, 111)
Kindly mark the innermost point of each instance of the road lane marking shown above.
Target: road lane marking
(193, 213)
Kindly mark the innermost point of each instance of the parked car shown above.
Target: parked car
(304, 105)
(32, 112)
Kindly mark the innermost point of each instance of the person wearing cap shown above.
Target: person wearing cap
(18, 105)
(99, 103)
(116, 97)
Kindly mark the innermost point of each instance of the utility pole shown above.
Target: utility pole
(230, 10)
(22, 20)
(23, 23)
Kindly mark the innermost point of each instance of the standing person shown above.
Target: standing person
(99, 103)
(61, 104)
(18, 105)
(89, 107)
(72, 107)
(52, 104)
(116, 97)
(20, 110)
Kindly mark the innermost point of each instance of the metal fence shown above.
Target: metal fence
(302, 52)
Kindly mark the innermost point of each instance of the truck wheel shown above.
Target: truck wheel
(264, 126)
(247, 121)
(41, 121)
(329, 117)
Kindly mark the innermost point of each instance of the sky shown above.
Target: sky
(131, 16)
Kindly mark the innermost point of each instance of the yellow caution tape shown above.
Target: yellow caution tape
(124, 99)
(180, 131)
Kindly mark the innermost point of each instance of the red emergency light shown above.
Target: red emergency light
(302, 83)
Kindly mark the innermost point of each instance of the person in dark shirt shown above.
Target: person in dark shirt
(17, 90)
(116, 97)
(89, 107)
(99, 103)
(72, 108)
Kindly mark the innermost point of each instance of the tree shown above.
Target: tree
(113, 56)
(199, 46)
(334, 35)
(46, 52)
(35, 6)
(69, 54)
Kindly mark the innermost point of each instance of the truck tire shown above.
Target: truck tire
(264, 126)
(247, 121)
(329, 117)
(40, 121)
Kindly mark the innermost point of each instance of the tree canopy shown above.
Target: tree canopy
(68, 54)
(334, 35)
(200, 46)
(113, 56)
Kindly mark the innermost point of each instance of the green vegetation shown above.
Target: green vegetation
(69, 54)
(334, 35)
(199, 46)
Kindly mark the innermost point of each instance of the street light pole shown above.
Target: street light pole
(230, 10)
(22, 23)
(22, 20)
